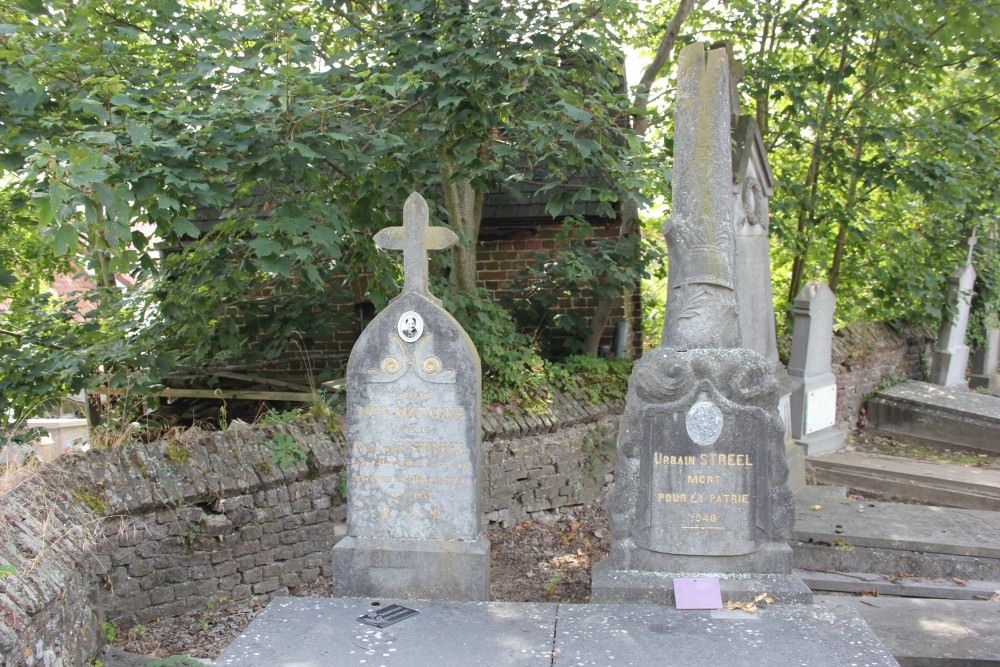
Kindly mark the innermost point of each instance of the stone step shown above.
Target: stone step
(837, 533)
(931, 632)
(905, 479)
(937, 416)
(878, 585)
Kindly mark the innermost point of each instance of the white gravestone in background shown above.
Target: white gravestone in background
(814, 403)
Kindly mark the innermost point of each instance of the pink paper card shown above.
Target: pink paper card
(697, 593)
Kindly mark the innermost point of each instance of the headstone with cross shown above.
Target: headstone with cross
(413, 430)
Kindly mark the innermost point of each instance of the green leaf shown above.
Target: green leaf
(65, 236)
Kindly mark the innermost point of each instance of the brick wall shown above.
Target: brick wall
(500, 260)
(867, 353)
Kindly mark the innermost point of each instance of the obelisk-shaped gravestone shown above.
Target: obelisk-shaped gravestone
(700, 484)
(413, 410)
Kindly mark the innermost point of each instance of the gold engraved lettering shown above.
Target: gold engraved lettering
(665, 460)
(372, 410)
(421, 412)
(374, 479)
(730, 498)
(672, 497)
(731, 460)
(424, 479)
(704, 479)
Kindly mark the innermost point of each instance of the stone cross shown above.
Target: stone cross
(415, 238)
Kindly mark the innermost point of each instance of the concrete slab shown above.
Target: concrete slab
(641, 635)
(912, 587)
(935, 415)
(940, 530)
(321, 632)
(894, 477)
(943, 633)
(318, 632)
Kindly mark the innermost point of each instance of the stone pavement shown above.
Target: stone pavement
(836, 533)
(932, 632)
(317, 632)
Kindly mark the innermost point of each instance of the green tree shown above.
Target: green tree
(881, 123)
(306, 126)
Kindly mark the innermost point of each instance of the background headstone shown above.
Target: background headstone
(413, 411)
(700, 481)
(986, 364)
(753, 185)
(814, 403)
(951, 354)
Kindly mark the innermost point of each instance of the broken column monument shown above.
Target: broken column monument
(700, 487)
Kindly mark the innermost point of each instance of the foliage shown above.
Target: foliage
(985, 312)
(584, 265)
(95, 502)
(286, 451)
(178, 452)
(187, 538)
(511, 366)
(595, 380)
(236, 164)
(273, 417)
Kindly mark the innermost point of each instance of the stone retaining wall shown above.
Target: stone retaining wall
(156, 530)
(534, 464)
(867, 353)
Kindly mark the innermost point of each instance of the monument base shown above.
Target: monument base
(639, 586)
(412, 569)
(827, 440)
(948, 367)
(991, 382)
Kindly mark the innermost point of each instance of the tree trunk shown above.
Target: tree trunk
(833, 276)
(465, 213)
(807, 212)
(630, 206)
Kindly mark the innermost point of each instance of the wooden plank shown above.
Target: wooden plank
(250, 395)
(195, 374)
